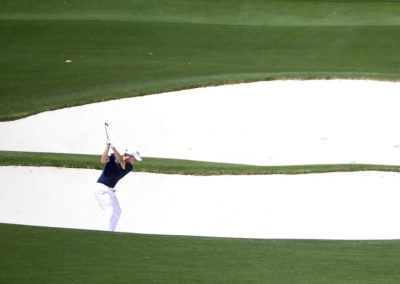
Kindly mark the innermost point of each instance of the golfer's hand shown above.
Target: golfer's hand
(104, 159)
(109, 143)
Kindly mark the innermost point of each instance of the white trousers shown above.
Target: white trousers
(109, 203)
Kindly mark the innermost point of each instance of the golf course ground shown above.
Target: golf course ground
(51, 255)
(59, 54)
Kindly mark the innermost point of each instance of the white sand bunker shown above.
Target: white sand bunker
(270, 123)
(267, 123)
(358, 205)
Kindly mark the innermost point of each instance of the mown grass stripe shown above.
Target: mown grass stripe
(178, 166)
(53, 255)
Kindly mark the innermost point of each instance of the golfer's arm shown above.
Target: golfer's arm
(119, 157)
(104, 157)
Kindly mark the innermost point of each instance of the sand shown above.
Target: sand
(262, 123)
(357, 205)
(266, 123)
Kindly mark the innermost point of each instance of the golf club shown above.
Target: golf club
(105, 126)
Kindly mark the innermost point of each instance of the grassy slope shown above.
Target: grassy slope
(48, 255)
(127, 48)
(173, 166)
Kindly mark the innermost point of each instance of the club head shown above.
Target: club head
(105, 126)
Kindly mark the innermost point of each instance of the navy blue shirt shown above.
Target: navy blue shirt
(113, 172)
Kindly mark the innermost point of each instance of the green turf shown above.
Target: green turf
(176, 166)
(49, 255)
(128, 48)
(225, 12)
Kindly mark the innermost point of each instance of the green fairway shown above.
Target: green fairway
(175, 166)
(49, 255)
(127, 48)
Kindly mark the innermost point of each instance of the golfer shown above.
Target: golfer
(116, 168)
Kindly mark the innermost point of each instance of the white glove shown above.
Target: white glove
(109, 143)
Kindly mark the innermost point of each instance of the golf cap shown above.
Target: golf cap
(135, 154)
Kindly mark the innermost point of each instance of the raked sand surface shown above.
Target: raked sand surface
(357, 205)
(267, 123)
(262, 123)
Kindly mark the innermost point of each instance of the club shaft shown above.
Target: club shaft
(105, 126)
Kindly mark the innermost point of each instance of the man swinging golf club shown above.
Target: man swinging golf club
(116, 168)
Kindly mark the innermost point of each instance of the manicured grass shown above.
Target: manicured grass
(129, 48)
(50, 255)
(219, 12)
(174, 166)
